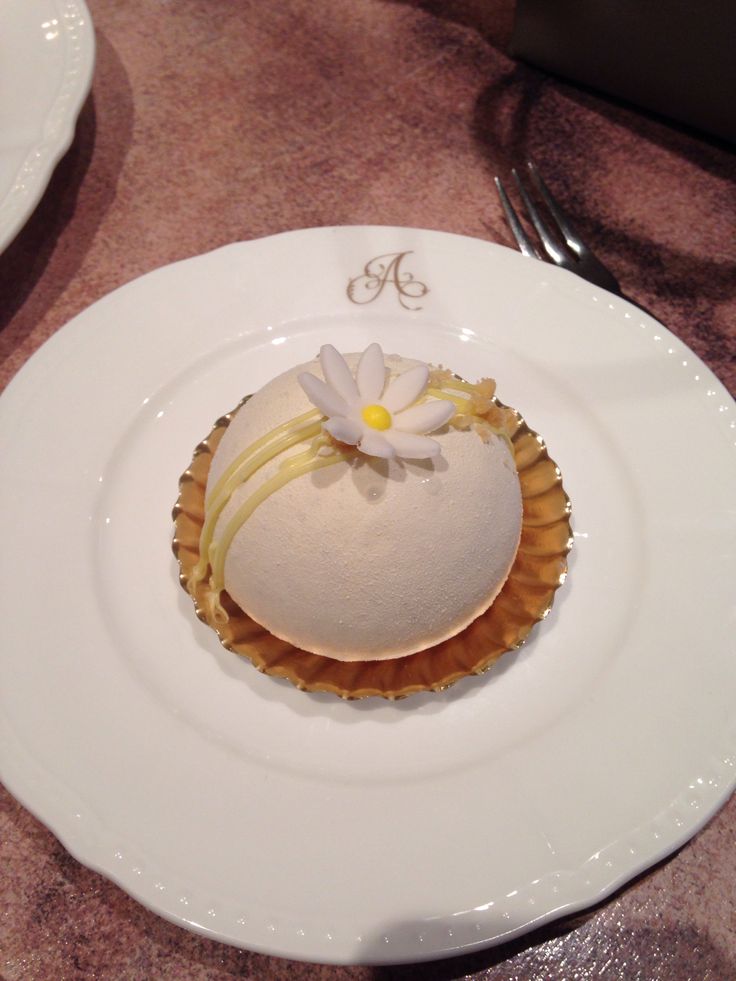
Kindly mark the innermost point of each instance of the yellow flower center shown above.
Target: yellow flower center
(376, 417)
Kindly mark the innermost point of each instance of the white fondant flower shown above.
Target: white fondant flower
(379, 418)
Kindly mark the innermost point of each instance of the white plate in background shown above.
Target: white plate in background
(46, 62)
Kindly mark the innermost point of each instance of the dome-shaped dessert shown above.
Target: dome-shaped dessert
(338, 524)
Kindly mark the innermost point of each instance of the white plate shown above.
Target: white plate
(231, 803)
(46, 62)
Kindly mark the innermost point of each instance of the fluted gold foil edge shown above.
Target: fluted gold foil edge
(539, 569)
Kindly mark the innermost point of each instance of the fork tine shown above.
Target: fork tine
(548, 241)
(579, 259)
(522, 239)
(571, 237)
(594, 269)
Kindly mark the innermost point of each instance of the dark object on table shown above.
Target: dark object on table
(675, 57)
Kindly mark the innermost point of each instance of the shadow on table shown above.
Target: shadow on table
(654, 200)
(41, 251)
(24, 261)
(607, 949)
(670, 951)
(492, 19)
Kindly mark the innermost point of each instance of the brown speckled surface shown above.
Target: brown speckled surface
(215, 120)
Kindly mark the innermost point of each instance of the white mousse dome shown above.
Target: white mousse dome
(369, 558)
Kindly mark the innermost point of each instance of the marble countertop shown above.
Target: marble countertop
(211, 122)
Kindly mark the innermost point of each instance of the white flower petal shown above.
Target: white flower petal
(405, 389)
(322, 396)
(371, 373)
(409, 446)
(346, 430)
(374, 443)
(337, 374)
(425, 418)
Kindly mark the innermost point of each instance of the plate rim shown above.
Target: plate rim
(614, 881)
(44, 153)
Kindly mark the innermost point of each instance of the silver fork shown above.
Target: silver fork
(576, 257)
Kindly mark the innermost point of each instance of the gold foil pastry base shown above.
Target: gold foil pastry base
(538, 571)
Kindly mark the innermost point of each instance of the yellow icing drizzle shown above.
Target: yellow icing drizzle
(255, 456)
(244, 466)
(286, 429)
(301, 464)
(462, 405)
(473, 405)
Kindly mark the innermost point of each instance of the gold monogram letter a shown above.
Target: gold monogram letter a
(382, 270)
